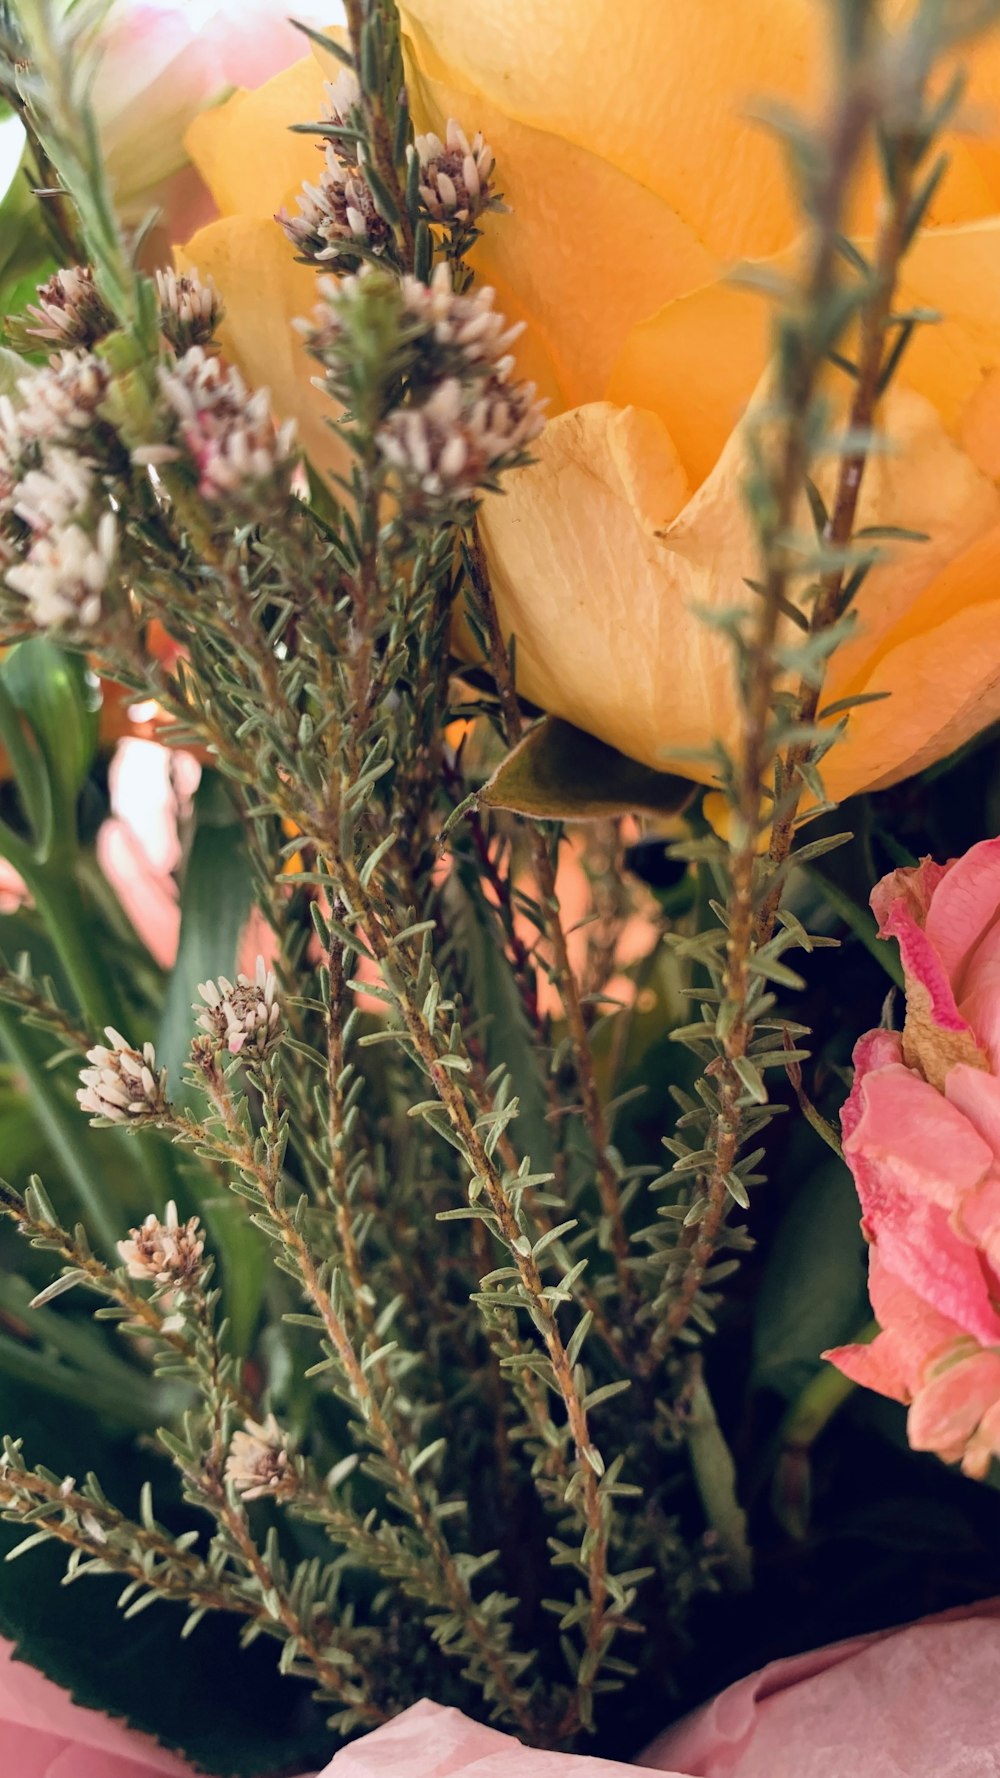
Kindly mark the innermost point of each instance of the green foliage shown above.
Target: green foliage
(441, 1423)
(560, 773)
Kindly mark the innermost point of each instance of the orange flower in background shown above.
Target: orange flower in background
(636, 178)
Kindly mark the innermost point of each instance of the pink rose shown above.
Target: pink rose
(922, 1138)
(913, 1703)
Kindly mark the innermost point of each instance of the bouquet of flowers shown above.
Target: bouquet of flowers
(500, 976)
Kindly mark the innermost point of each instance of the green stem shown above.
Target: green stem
(820, 1400)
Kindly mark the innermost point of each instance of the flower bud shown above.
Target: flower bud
(244, 1016)
(123, 1085)
(168, 1254)
(259, 1461)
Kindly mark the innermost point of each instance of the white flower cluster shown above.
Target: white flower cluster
(259, 1461)
(339, 209)
(121, 1084)
(455, 175)
(168, 1254)
(479, 418)
(459, 441)
(190, 308)
(245, 1015)
(226, 432)
(60, 536)
(460, 335)
(70, 310)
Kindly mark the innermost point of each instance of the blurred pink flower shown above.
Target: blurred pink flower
(922, 1138)
(913, 1703)
(917, 1702)
(162, 62)
(138, 847)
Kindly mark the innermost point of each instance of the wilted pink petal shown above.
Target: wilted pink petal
(962, 906)
(914, 1335)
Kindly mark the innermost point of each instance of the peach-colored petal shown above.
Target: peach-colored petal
(245, 150)
(663, 93)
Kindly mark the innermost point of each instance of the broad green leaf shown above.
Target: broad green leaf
(25, 251)
(216, 897)
(215, 904)
(55, 693)
(560, 773)
(813, 1292)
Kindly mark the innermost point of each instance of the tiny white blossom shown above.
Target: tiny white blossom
(70, 310)
(168, 1253)
(461, 438)
(65, 571)
(259, 1461)
(244, 1015)
(61, 398)
(455, 175)
(227, 432)
(190, 308)
(121, 1083)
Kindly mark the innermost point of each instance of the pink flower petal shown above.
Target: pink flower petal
(947, 1410)
(963, 904)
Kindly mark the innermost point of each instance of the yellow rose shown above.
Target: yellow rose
(636, 178)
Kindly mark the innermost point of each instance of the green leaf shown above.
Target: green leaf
(813, 1291)
(560, 773)
(215, 904)
(25, 251)
(716, 1479)
(55, 693)
(494, 993)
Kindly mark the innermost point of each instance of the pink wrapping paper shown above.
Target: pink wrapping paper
(921, 1702)
(43, 1734)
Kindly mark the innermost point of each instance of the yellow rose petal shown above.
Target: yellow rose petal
(661, 90)
(696, 363)
(944, 687)
(246, 152)
(599, 605)
(586, 252)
